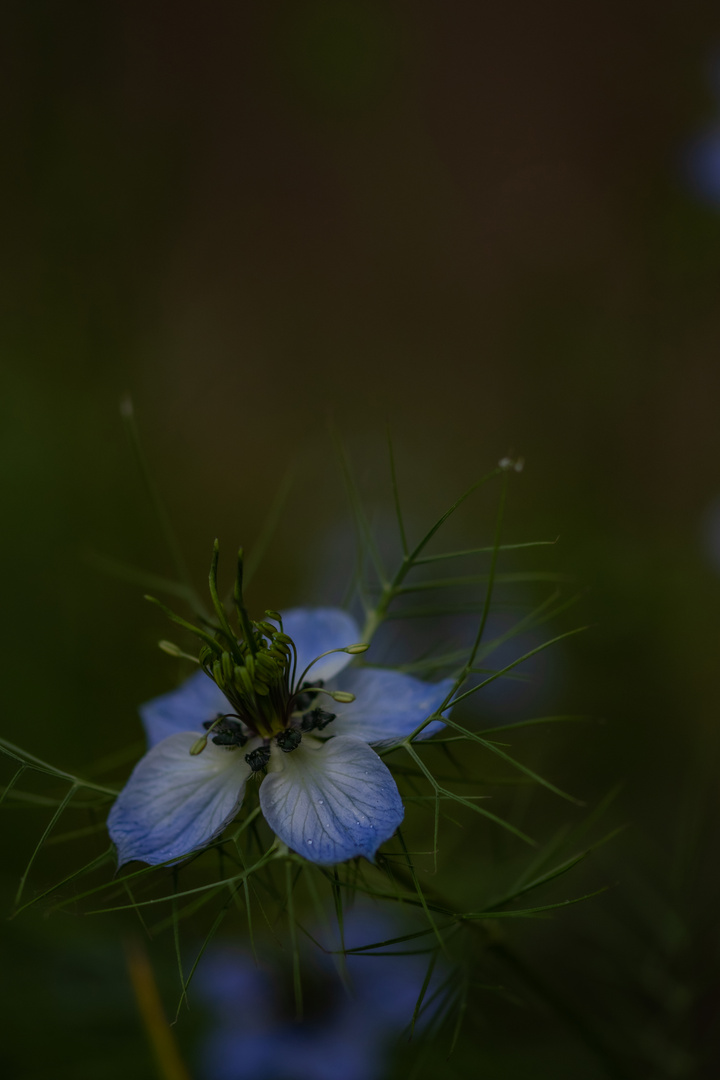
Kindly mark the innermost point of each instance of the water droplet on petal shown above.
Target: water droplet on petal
(309, 841)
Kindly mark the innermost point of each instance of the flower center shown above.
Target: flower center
(255, 675)
(255, 666)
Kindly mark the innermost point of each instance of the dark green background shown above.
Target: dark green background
(466, 220)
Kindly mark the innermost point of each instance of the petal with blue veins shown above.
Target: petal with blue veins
(388, 705)
(317, 630)
(183, 709)
(331, 801)
(174, 802)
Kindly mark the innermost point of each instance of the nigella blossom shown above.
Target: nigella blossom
(257, 707)
(348, 1030)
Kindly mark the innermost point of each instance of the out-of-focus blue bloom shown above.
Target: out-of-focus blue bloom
(327, 794)
(347, 1032)
(701, 162)
(701, 155)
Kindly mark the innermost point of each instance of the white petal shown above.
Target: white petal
(315, 631)
(175, 803)
(183, 709)
(331, 801)
(388, 705)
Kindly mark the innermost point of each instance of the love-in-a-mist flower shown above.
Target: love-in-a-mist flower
(269, 702)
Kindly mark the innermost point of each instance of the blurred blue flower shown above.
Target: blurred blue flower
(327, 794)
(701, 156)
(347, 1032)
(702, 166)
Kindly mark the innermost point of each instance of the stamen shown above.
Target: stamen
(199, 745)
(352, 649)
(258, 759)
(229, 738)
(254, 666)
(231, 722)
(230, 732)
(210, 641)
(337, 695)
(284, 641)
(317, 719)
(172, 649)
(289, 740)
(304, 700)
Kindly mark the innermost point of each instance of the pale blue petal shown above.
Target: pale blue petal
(331, 801)
(183, 709)
(174, 802)
(388, 705)
(315, 631)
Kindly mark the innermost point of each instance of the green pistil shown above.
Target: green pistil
(255, 666)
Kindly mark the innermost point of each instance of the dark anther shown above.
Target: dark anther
(230, 738)
(316, 719)
(258, 759)
(304, 701)
(229, 732)
(289, 740)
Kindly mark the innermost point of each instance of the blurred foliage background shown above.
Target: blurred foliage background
(466, 220)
